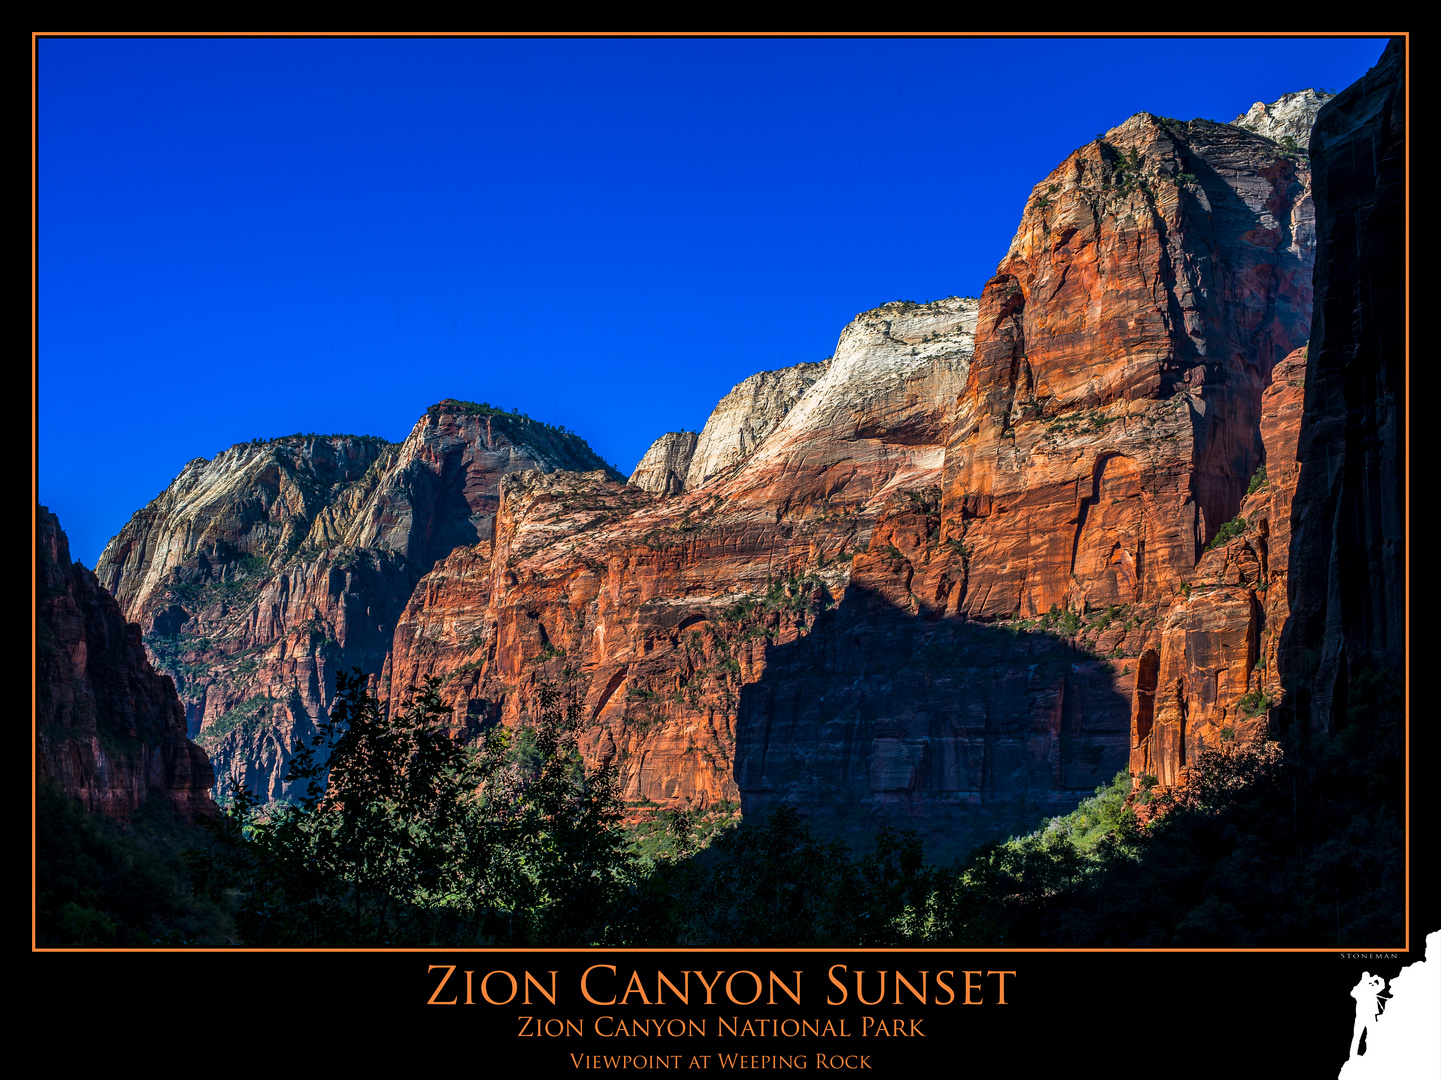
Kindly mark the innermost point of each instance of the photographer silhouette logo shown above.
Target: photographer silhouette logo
(1397, 1033)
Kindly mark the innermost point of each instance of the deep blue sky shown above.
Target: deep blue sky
(254, 237)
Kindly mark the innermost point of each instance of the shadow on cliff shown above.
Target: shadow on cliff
(962, 732)
(884, 759)
(1299, 843)
(968, 735)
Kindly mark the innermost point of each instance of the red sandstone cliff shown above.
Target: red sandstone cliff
(926, 595)
(1294, 623)
(1110, 423)
(657, 614)
(109, 729)
(1212, 677)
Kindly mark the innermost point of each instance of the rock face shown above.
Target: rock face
(1346, 637)
(449, 629)
(1213, 676)
(1291, 116)
(658, 616)
(744, 418)
(1107, 429)
(109, 730)
(1110, 424)
(663, 468)
(259, 573)
(888, 711)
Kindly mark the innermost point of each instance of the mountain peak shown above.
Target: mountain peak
(1289, 116)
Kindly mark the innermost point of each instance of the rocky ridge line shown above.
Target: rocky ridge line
(743, 419)
(1289, 119)
(261, 572)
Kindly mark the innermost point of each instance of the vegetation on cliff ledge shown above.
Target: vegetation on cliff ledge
(405, 836)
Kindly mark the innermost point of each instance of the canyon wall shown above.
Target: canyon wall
(1305, 589)
(653, 615)
(1343, 656)
(1212, 675)
(1111, 423)
(261, 572)
(109, 730)
(789, 631)
(952, 578)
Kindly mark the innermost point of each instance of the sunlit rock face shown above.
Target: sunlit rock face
(744, 417)
(1212, 679)
(257, 574)
(1290, 117)
(663, 467)
(1111, 421)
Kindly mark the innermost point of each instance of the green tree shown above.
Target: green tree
(101, 882)
(562, 864)
(385, 845)
(406, 836)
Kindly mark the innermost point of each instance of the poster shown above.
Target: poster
(617, 1010)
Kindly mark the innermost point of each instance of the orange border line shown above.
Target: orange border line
(34, 469)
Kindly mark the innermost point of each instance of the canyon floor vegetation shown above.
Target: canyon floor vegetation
(404, 836)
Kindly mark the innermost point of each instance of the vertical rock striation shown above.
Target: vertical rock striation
(1344, 649)
(109, 729)
(1212, 677)
(1110, 423)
